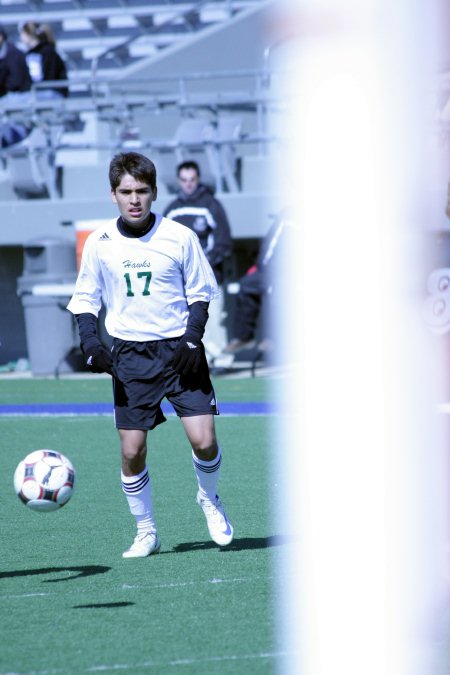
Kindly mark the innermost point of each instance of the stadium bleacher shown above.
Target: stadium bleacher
(116, 34)
(158, 107)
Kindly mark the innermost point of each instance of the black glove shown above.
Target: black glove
(187, 356)
(98, 358)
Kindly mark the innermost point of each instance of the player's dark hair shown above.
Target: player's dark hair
(135, 164)
(189, 164)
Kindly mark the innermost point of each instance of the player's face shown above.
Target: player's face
(134, 199)
(188, 180)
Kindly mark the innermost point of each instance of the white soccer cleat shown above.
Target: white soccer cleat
(143, 546)
(220, 528)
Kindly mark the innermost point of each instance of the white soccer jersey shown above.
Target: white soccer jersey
(146, 283)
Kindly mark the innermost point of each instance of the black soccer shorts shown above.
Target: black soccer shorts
(143, 376)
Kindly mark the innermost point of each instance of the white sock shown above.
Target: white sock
(138, 491)
(207, 475)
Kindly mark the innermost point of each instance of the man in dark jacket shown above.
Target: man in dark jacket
(14, 74)
(197, 208)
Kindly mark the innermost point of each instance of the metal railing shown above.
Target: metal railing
(123, 100)
(122, 104)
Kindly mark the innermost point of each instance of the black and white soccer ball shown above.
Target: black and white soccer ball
(44, 480)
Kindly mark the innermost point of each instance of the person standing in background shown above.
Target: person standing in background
(43, 61)
(14, 75)
(256, 286)
(196, 207)
(15, 84)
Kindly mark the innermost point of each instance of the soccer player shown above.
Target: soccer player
(156, 284)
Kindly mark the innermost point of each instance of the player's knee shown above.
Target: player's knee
(133, 464)
(132, 453)
(206, 452)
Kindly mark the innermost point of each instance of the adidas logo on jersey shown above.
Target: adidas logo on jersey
(105, 237)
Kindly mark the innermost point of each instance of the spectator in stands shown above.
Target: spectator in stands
(15, 83)
(14, 75)
(254, 287)
(43, 61)
(197, 208)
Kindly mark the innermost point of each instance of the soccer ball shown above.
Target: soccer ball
(44, 480)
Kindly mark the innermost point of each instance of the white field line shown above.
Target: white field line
(155, 664)
(194, 583)
(23, 595)
(181, 662)
(127, 587)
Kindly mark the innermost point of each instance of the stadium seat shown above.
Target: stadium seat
(31, 167)
(211, 146)
(191, 141)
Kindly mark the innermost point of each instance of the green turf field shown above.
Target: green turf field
(71, 604)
